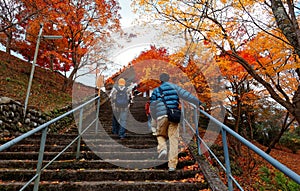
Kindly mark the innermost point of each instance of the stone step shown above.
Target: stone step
(111, 185)
(108, 152)
(137, 155)
(97, 174)
(105, 163)
(92, 135)
(105, 140)
(125, 141)
(91, 164)
(88, 164)
(84, 147)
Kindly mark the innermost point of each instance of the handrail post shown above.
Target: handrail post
(97, 115)
(183, 118)
(32, 68)
(40, 159)
(79, 132)
(227, 160)
(197, 130)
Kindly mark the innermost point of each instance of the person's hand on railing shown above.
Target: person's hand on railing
(201, 107)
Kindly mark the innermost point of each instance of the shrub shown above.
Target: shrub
(275, 181)
(290, 140)
(264, 134)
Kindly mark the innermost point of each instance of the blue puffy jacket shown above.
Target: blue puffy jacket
(172, 93)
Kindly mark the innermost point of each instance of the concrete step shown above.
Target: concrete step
(136, 155)
(121, 153)
(130, 139)
(84, 147)
(105, 163)
(91, 135)
(97, 174)
(111, 185)
(90, 164)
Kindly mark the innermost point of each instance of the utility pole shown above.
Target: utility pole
(34, 62)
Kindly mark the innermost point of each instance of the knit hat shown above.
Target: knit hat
(164, 77)
(121, 82)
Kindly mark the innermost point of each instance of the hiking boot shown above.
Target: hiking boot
(163, 154)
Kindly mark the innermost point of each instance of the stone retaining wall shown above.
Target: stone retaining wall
(12, 117)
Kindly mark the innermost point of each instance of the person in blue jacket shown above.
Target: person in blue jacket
(166, 129)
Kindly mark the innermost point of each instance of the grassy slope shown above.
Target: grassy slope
(45, 94)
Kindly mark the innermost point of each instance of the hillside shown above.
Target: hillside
(46, 92)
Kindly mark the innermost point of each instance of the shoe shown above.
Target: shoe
(172, 169)
(154, 133)
(162, 154)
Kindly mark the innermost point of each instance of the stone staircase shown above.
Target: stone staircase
(105, 163)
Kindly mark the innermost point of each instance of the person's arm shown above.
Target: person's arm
(153, 96)
(147, 108)
(186, 95)
(129, 90)
(201, 107)
(112, 92)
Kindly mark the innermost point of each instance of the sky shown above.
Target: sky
(129, 49)
(126, 13)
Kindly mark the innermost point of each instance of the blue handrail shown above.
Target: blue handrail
(224, 130)
(44, 129)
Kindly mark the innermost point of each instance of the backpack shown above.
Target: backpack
(174, 114)
(122, 99)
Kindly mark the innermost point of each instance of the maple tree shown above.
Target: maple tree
(148, 65)
(146, 68)
(90, 23)
(83, 25)
(241, 95)
(232, 25)
(241, 90)
(13, 18)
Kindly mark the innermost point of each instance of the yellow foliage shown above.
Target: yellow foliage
(224, 29)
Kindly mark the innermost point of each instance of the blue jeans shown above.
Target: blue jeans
(119, 123)
(149, 122)
(115, 125)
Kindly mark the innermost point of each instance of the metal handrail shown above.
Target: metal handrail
(224, 130)
(44, 129)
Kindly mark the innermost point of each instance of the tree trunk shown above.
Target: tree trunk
(51, 63)
(285, 23)
(238, 116)
(236, 145)
(284, 127)
(67, 83)
(250, 125)
(296, 103)
(8, 42)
